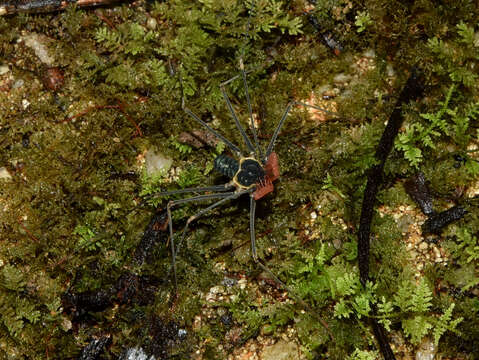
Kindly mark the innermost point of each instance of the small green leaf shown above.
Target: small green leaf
(416, 328)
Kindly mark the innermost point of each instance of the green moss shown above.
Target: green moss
(70, 221)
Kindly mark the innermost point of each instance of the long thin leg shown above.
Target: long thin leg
(218, 188)
(252, 211)
(238, 125)
(225, 197)
(283, 118)
(206, 210)
(250, 146)
(228, 143)
(224, 83)
(225, 187)
(170, 223)
(275, 278)
(250, 111)
(232, 146)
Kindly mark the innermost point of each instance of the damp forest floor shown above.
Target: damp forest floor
(92, 127)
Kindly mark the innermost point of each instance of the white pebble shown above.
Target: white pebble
(4, 69)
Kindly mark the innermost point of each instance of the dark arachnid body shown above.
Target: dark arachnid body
(248, 173)
(252, 174)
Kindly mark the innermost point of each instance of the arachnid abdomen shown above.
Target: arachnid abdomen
(226, 166)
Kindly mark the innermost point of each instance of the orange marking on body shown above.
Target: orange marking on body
(263, 189)
(272, 166)
(272, 173)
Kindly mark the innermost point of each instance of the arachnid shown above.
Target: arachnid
(251, 173)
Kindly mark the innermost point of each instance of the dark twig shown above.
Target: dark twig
(437, 221)
(35, 6)
(417, 188)
(411, 91)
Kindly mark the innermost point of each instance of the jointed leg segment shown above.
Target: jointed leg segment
(224, 198)
(270, 147)
(275, 278)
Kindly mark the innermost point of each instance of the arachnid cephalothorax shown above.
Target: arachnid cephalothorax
(248, 173)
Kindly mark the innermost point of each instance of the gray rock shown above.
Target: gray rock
(156, 162)
(427, 350)
(135, 354)
(282, 350)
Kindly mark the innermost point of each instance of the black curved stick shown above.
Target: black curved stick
(435, 222)
(36, 6)
(411, 91)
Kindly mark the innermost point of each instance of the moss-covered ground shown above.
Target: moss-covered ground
(84, 93)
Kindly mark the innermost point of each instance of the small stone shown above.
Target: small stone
(242, 284)
(151, 23)
(39, 44)
(182, 334)
(156, 162)
(4, 174)
(217, 289)
(66, 324)
(229, 282)
(135, 354)
(267, 330)
(337, 243)
(4, 69)
(423, 246)
(18, 84)
(282, 350)
(369, 53)
(196, 323)
(390, 70)
(427, 350)
(211, 298)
